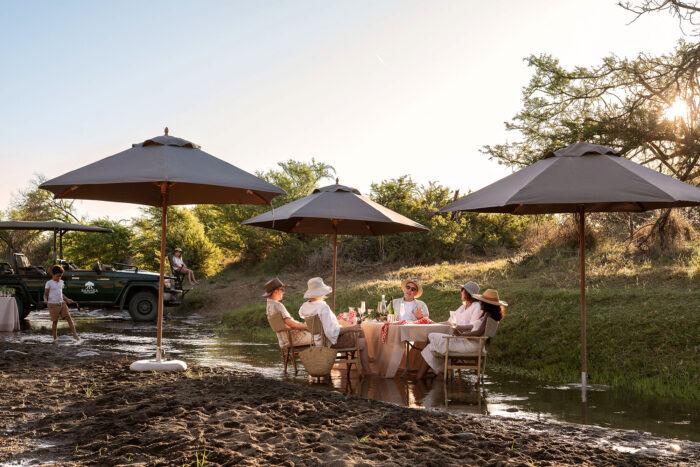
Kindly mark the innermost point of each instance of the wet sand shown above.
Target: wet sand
(58, 407)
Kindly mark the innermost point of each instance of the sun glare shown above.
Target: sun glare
(679, 109)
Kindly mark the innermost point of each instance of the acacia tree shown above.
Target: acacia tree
(647, 107)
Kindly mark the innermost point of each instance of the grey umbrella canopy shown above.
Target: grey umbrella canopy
(336, 210)
(163, 171)
(135, 176)
(580, 178)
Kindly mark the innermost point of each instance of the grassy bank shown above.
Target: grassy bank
(643, 313)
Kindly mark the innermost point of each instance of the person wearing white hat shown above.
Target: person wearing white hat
(338, 333)
(434, 353)
(470, 311)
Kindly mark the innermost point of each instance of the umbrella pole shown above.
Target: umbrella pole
(335, 256)
(161, 280)
(582, 257)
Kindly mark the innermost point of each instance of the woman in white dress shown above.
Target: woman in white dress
(470, 311)
(433, 353)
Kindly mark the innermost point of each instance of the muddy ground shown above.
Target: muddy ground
(59, 407)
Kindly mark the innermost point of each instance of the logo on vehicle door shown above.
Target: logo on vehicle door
(89, 288)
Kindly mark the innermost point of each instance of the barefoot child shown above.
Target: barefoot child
(56, 301)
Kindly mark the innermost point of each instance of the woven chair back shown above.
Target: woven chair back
(276, 322)
(491, 327)
(316, 329)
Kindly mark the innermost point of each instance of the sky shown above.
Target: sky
(377, 89)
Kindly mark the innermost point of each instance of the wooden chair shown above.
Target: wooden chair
(348, 355)
(289, 351)
(474, 360)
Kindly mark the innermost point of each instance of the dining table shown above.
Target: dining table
(9, 315)
(393, 355)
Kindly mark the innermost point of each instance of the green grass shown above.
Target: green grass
(643, 315)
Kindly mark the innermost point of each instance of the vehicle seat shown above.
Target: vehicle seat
(6, 269)
(67, 266)
(25, 267)
(179, 277)
(101, 267)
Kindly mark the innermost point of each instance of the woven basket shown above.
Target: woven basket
(318, 361)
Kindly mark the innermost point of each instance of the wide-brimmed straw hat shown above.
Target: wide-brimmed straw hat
(490, 296)
(418, 286)
(471, 287)
(272, 285)
(316, 288)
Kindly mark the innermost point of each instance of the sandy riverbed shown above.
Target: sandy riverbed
(59, 407)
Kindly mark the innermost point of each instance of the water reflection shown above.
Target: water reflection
(193, 339)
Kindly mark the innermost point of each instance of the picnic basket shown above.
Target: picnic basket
(318, 361)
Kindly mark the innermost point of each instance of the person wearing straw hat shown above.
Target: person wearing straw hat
(339, 333)
(274, 291)
(433, 353)
(180, 266)
(413, 309)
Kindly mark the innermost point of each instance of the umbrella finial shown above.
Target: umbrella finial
(166, 131)
(580, 137)
(336, 181)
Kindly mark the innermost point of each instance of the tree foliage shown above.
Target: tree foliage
(647, 107)
(86, 248)
(184, 230)
(224, 222)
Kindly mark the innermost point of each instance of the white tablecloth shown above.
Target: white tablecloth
(389, 355)
(9, 315)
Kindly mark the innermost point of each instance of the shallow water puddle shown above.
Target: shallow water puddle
(193, 339)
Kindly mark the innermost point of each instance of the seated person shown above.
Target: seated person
(492, 307)
(470, 311)
(274, 291)
(412, 309)
(180, 266)
(339, 333)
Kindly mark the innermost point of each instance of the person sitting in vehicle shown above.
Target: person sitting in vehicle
(180, 266)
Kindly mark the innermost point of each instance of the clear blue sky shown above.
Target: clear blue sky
(378, 89)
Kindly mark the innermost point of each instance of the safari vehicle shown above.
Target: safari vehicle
(116, 285)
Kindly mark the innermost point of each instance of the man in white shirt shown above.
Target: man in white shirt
(413, 309)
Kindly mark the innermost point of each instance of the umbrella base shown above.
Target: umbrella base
(154, 365)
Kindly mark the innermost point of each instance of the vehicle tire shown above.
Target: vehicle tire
(23, 312)
(143, 306)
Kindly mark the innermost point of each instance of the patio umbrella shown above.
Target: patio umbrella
(163, 171)
(580, 178)
(335, 210)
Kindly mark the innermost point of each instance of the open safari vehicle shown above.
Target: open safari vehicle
(101, 285)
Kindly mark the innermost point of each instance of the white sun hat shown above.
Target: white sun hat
(316, 288)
